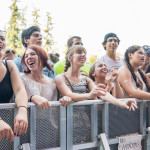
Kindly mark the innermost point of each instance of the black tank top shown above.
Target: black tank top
(6, 90)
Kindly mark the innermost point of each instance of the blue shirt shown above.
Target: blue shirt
(45, 70)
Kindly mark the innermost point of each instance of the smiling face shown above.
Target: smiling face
(111, 44)
(2, 44)
(78, 57)
(100, 70)
(138, 58)
(35, 39)
(31, 60)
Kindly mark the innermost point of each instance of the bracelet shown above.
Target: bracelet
(31, 97)
(22, 106)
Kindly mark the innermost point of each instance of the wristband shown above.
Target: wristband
(31, 97)
(22, 106)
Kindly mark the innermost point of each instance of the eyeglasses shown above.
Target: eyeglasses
(10, 52)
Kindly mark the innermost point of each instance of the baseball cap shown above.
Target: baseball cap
(146, 48)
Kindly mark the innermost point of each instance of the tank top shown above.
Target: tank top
(6, 90)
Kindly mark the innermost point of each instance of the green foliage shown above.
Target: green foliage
(36, 16)
(15, 26)
(48, 38)
(18, 23)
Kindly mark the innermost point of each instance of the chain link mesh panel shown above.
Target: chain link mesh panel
(8, 116)
(47, 128)
(99, 119)
(123, 121)
(81, 124)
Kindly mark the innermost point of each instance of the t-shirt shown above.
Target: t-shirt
(110, 63)
(59, 67)
(46, 72)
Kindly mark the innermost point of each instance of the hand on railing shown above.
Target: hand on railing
(21, 122)
(42, 102)
(129, 104)
(65, 101)
(6, 131)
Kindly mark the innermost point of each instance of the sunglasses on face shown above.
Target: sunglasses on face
(10, 52)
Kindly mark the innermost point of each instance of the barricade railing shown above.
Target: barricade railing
(79, 126)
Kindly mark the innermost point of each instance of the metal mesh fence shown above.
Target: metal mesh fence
(47, 128)
(81, 124)
(99, 119)
(8, 116)
(123, 121)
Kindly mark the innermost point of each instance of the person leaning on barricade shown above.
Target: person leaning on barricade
(73, 84)
(135, 83)
(40, 88)
(99, 74)
(10, 82)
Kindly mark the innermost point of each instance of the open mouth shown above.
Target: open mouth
(31, 64)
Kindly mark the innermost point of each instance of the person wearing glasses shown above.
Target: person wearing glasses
(9, 54)
(110, 44)
(134, 82)
(10, 82)
(59, 66)
(29, 37)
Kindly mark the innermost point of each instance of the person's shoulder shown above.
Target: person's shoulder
(49, 80)
(101, 58)
(123, 69)
(59, 76)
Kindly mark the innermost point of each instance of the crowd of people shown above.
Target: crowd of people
(73, 79)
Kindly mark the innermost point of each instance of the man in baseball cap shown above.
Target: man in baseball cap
(110, 44)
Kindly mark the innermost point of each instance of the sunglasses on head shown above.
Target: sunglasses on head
(10, 52)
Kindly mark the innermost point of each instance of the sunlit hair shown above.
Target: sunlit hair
(43, 59)
(133, 49)
(92, 70)
(70, 52)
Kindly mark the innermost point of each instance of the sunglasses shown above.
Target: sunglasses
(10, 52)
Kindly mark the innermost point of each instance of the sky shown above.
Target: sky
(91, 19)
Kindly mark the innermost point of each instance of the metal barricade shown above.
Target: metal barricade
(78, 125)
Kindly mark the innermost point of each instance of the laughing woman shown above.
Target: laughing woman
(134, 82)
(99, 74)
(73, 84)
(40, 88)
(10, 82)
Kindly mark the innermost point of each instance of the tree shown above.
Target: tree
(16, 21)
(36, 16)
(48, 38)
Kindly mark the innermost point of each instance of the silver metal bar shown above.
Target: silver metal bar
(69, 127)
(33, 127)
(63, 137)
(94, 122)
